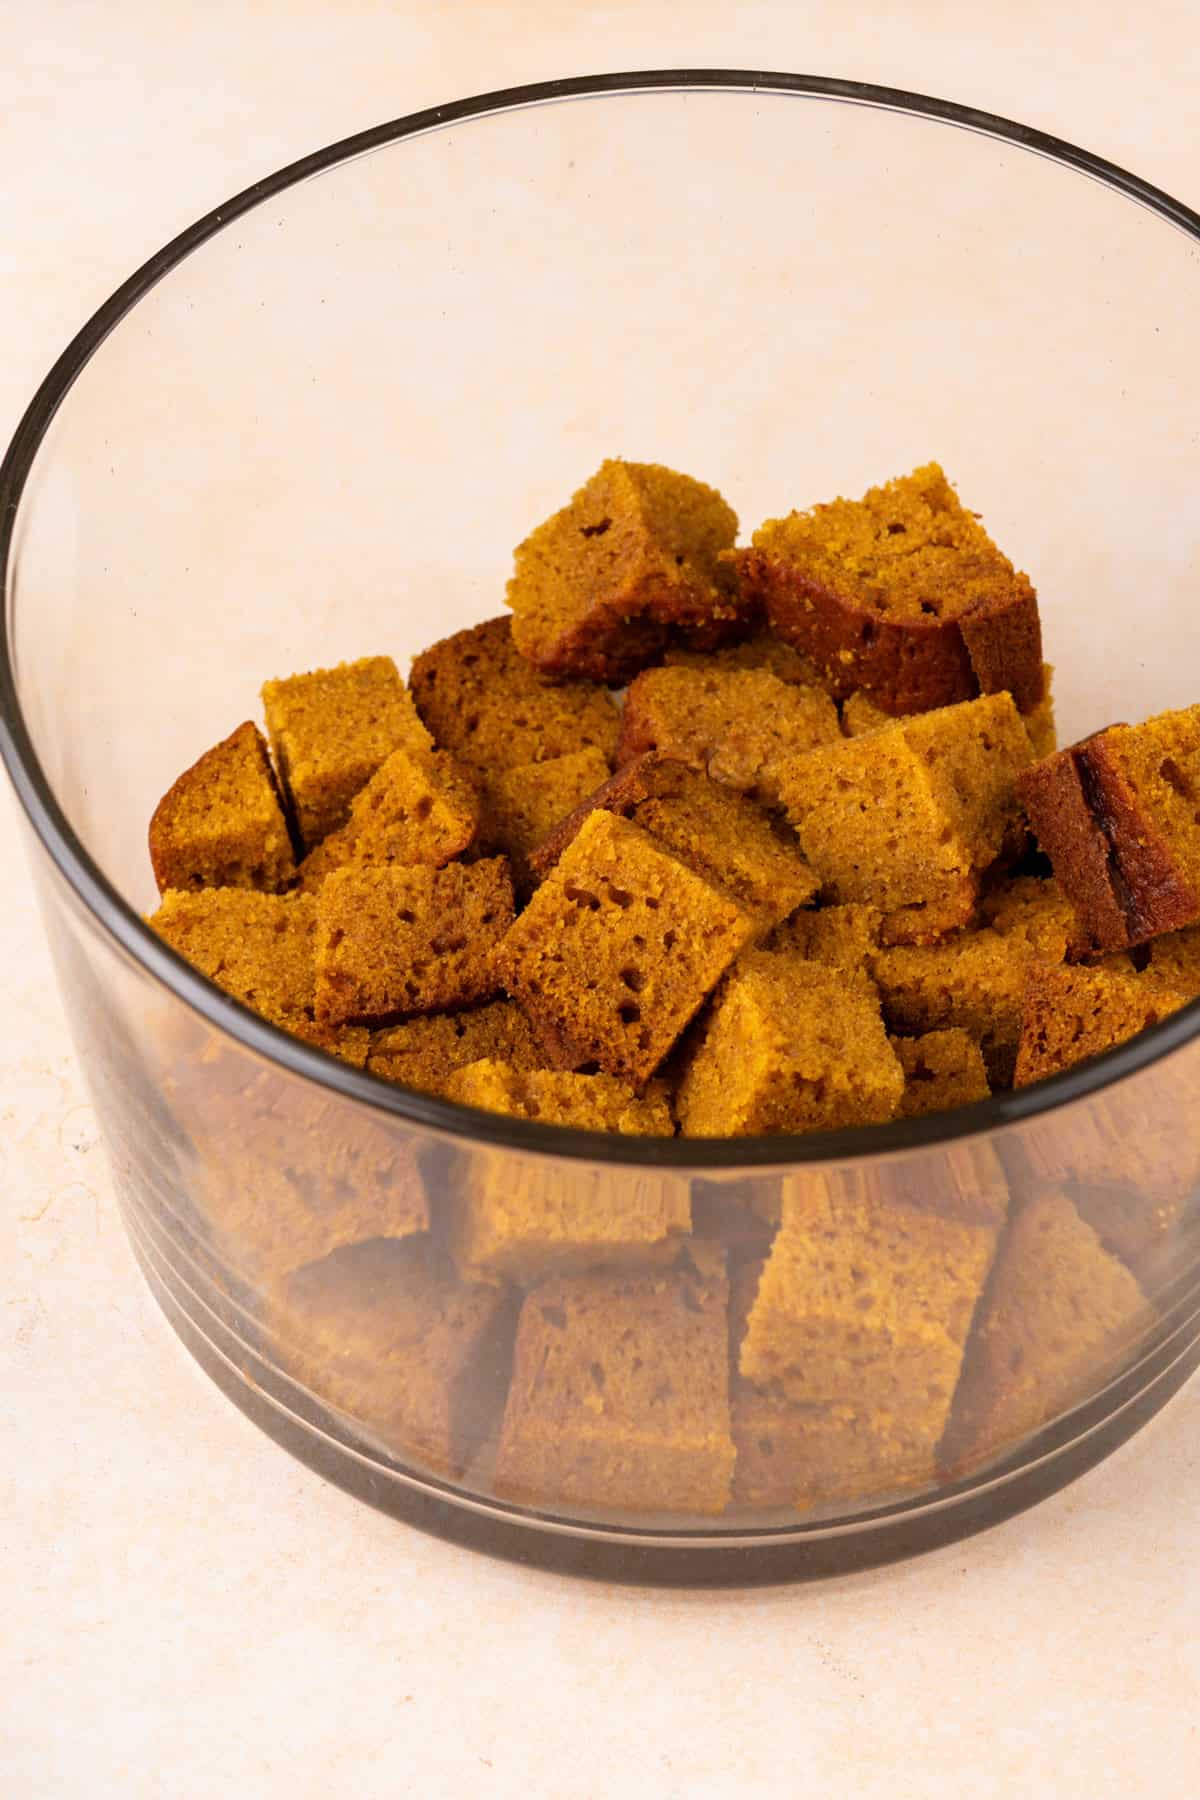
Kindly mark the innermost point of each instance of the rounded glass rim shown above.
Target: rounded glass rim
(446, 1118)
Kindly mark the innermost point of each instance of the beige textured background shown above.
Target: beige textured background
(183, 1610)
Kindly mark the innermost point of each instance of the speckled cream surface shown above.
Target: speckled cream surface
(184, 1611)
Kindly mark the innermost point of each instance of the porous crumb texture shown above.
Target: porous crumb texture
(424, 1052)
(738, 725)
(620, 1391)
(596, 589)
(221, 824)
(416, 808)
(1057, 1315)
(1070, 1014)
(559, 1097)
(866, 1305)
(901, 595)
(257, 947)
(618, 949)
(942, 1069)
(487, 704)
(386, 1333)
(790, 1046)
(909, 818)
(844, 938)
(330, 730)
(392, 941)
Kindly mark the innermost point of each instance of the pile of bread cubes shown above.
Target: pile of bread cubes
(820, 865)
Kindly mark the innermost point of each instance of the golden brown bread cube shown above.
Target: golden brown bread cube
(393, 941)
(524, 1218)
(221, 824)
(636, 550)
(620, 1392)
(739, 726)
(386, 1333)
(901, 595)
(1058, 1314)
(416, 808)
(618, 949)
(909, 818)
(720, 834)
(484, 702)
(425, 1051)
(330, 730)
(790, 1046)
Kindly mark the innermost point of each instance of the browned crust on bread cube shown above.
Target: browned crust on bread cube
(637, 550)
(221, 824)
(386, 1333)
(620, 1392)
(1119, 817)
(618, 949)
(330, 730)
(738, 725)
(484, 702)
(901, 594)
(393, 941)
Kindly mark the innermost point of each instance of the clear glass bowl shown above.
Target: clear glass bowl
(313, 428)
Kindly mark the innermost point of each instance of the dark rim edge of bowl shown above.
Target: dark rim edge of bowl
(120, 922)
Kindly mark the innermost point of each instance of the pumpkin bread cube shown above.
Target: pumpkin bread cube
(618, 949)
(393, 941)
(739, 726)
(330, 730)
(909, 818)
(620, 1392)
(1057, 1317)
(865, 1303)
(259, 948)
(1069, 1014)
(1119, 817)
(724, 837)
(527, 1218)
(902, 595)
(942, 1070)
(636, 551)
(416, 808)
(221, 824)
(790, 1046)
(484, 702)
(386, 1333)
(425, 1052)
